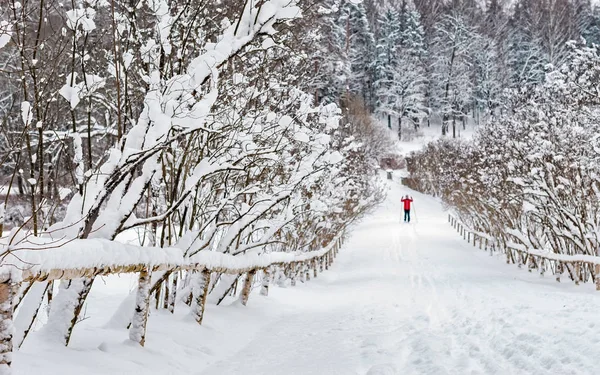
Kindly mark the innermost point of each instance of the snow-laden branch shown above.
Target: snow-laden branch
(111, 196)
(92, 257)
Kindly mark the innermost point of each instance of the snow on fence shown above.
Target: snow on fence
(90, 258)
(581, 268)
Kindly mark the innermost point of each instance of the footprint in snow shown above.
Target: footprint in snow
(383, 369)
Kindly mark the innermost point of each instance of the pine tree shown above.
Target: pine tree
(360, 49)
(401, 75)
(451, 56)
(413, 35)
(414, 54)
(386, 63)
(590, 26)
(487, 74)
(332, 66)
(525, 58)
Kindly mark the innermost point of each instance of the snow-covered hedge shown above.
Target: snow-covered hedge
(531, 176)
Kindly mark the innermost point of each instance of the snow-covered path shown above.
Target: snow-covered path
(399, 299)
(417, 299)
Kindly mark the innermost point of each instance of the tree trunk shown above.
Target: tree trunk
(264, 290)
(444, 124)
(247, 287)
(50, 295)
(200, 291)
(6, 326)
(400, 128)
(453, 126)
(173, 294)
(137, 332)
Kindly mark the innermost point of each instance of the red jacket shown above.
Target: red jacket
(407, 202)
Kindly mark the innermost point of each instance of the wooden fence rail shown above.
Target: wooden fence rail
(581, 268)
(292, 266)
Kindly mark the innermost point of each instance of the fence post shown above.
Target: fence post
(326, 260)
(597, 276)
(173, 295)
(281, 275)
(137, 332)
(321, 261)
(293, 274)
(6, 325)
(314, 266)
(200, 292)
(264, 289)
(247, 286)
(559, 271)
(577, 273)
(307, 270)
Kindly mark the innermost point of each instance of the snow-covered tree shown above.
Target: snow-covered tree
(451, 51)
(401, 80)
(387, 62)
(360, 49)
(332, 66)
(487, 75)
(531, 175)
(195, 134)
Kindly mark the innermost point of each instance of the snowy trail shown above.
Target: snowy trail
(399, 299)
(417, 299)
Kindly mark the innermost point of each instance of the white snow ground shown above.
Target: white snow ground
(400, 299)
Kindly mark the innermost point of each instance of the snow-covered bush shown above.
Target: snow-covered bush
(531, 176)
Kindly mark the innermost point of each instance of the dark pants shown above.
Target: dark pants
(407, 215)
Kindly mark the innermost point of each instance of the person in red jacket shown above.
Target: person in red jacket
(407, 201)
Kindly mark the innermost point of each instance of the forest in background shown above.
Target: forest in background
(446, 62)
